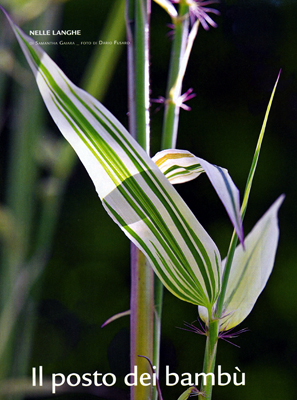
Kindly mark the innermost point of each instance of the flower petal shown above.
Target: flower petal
(133, 190)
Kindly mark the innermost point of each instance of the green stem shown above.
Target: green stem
(169, 135)
(209, 358)
(142, 13)
(137, 16)
(171, 115)
(141, 320)
(158, 302)
(142, 276)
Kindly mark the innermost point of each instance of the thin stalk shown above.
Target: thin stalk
(142, 14)
(210, 357)
(142, 276)
(171, 115)
(158, 302)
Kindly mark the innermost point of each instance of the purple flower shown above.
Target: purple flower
(180, 101)
(198, 10)
(188, 95)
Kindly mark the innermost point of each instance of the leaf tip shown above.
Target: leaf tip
(114, 317)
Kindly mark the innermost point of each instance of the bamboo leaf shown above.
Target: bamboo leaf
(250, 270)
(181, 166)
(251, 267)
(257, 152)
(133, 190)
(178, 166)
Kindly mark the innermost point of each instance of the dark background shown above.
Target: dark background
(232, 70)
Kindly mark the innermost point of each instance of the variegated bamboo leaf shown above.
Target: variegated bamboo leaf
(181, 166)
(250, 270)
(132, 188)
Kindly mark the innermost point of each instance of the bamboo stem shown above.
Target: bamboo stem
(209, 359)
(142, 276)
(171, 115)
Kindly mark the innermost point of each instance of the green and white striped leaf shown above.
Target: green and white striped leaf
(178, 166)
(133, 190)
(250, 270)
(181, 166)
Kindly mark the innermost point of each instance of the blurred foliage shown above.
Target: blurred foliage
(25, 10)
(232, 69)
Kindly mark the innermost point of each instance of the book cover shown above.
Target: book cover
(66, 266)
